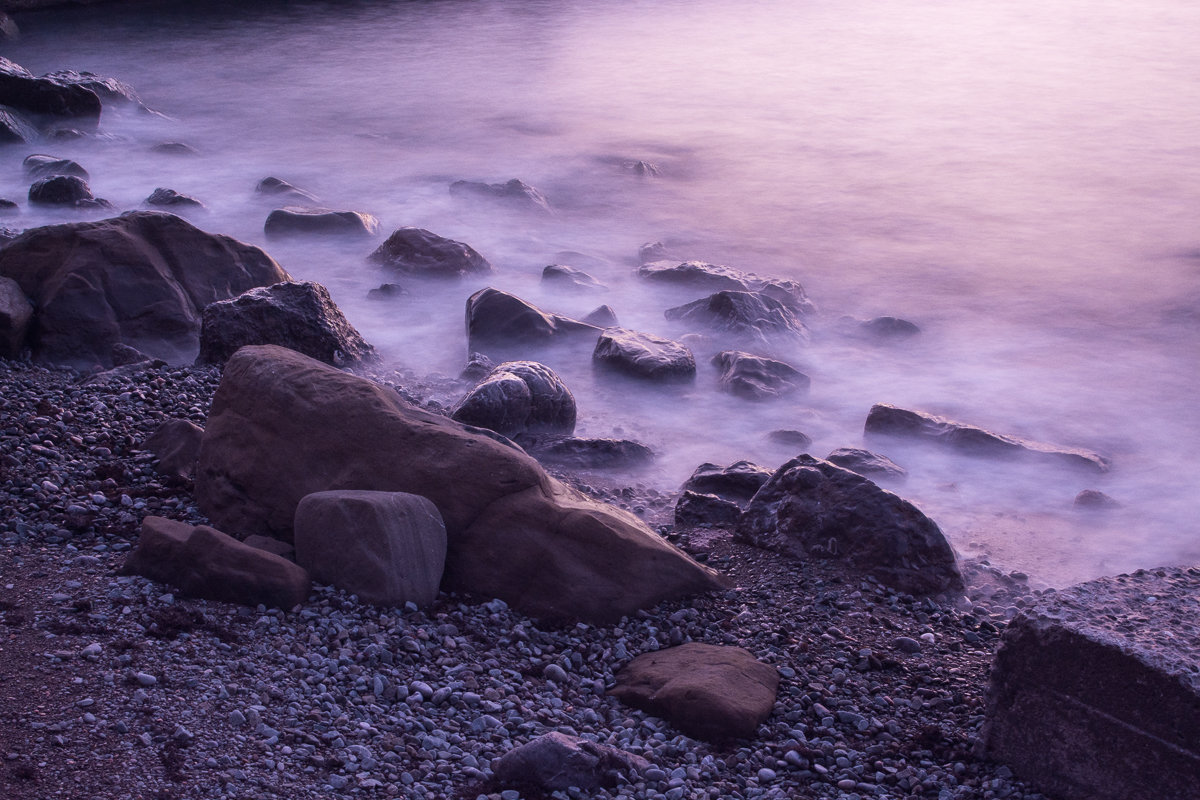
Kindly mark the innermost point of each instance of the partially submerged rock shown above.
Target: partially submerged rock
(811, 508)
(738, 482)
(515, 194)
(747, 316)
(279, 188)
(584, 453)
(562, 276)
(50, 100)
(418, 252)
(64, 190)
(40, 165)
(757, 377)
(1095, 693)
(642, 355)
(305, 220)
(519, 397)
(889, 420)
(169, 198)
(868, 464)
(499, 322)
(718, 278)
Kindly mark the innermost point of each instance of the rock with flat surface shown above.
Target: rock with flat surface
(888, 420)
(389, 548)
(283, 426)
(868, 464)
(555, 761)
(644, 356)
(709, 692)
(581, 453)
(519, 397)
(814, 509)
(738, 482)
(499, 323)
(40, 165)
(204, 562)
(750, 317)
(1095, 692)
(697, 508)
(756, 377)
(16, 127)
(305, 220)
(421, 253)
(142, 279)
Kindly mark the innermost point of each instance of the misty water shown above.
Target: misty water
(1020, 179)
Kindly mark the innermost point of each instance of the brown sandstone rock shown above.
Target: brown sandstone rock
(203, 562)
(707, 691)
(283, 426)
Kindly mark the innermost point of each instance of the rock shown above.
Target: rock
(478, 367)
(1095, 500)
(519, 397)
(892, 421)
(54, 101)
(555, 761)
(562, 276)
(389, 548)
(297, 315)
(868, 464)
(174, 149)
(416, 251)
(515, 194)
(111, 91)
(176, 445)
(387, 291)
(709, 692)
(747, 316)
(645, 169)
(276, 187)
(282, 549)
(602, 317)
(811, 508)
(64, 190)
(8, 28)
(499, 323)
(170, 198)
(573, 453)
(16, 312)
(124, 355)
(738, 482)
(695, 508)
(756, 377)
(717, 278)
(1094, 691)
(297, 220)
(888, 329)
(16, 127)
(790, 438)
(9, 207)
(44, 166)
(141, 279)
(283, 426)
(641, 355)
(204, 562)
(651, 252)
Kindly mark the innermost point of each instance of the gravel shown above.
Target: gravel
(112, 686)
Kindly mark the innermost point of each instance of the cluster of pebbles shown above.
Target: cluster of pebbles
(112, 686)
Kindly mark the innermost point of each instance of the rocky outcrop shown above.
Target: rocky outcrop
(176, 445)
(389, 548)
(304, 220)
(112, 92)
(49, 100)
(500, 323)
(515, 194)
(297, 315)
(868, 464)
(641, 355)
(555, 761)
(756, 377)
(141, 279)
(519, 397)
(888, 420)
(418, 252)
(717, 278)
(709, 692)
(16, 127)
(1094, 692)
(16, 312)
(813, 509)
(750, 317)
(204, 562)
(564, 277)
(283, 426)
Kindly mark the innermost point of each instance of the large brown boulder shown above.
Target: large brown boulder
(283, 426)
(140, 279)
(204, 562)
(709, 692)
(1095, 693)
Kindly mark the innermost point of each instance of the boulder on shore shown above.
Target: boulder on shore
(519, 397)
(499, 323)
(50, 100)
(718, 278)
(140, 279)
(751, 317)
(1094, 691)
(421, 253)
(305, 220)
(756, 377)
(16, 312)
(555, 761)
(176, 444)
(64, 190)
(812, 508)
(641, 355)
(283, 426)
(738, 482)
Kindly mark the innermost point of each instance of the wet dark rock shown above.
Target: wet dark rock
(756, 377)
(602, 317)
(297, 315)
(387, 291)
(64, 190)
(176, 445)
(170, 198)
(641, 355)
(555, 761)
(277, 187)
(416, 251)
(497, 321)
(747, 316)
(16, 313)
(8, 28)
(519, 397)
(141, 279)
(1095, 500)
(888, 329)
(297, 220)
(709, 692)
(54, 101)
(814, 509)
(580, 453)
(695, 508)
(868, 464)
(39, 165)
(1095, 694)
(560, 275)
(16, 127)
(8, 206)
(478, 367)
(515, 194)
(738, 482)
(124, 355)
(174, 149)
(892, 421)
(111, 91)
(718, 278)
(790, 438)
